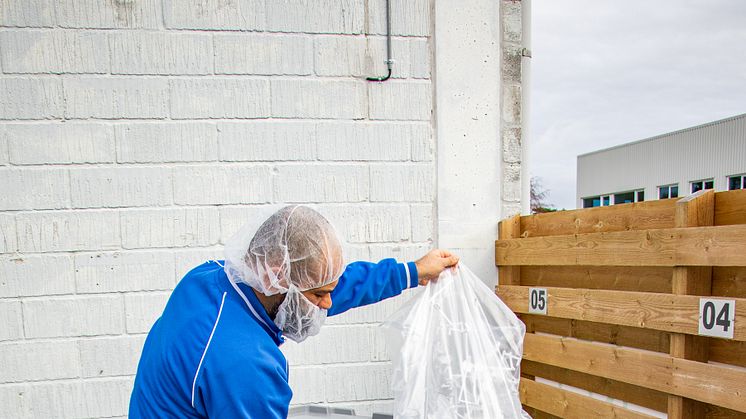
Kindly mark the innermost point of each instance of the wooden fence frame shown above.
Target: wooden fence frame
(623, 286)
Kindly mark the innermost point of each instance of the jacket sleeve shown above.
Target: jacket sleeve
(364, 283)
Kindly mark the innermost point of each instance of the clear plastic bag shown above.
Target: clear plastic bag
(457, 351)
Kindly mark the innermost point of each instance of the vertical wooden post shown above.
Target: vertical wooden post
(692, 211)
(509, 228)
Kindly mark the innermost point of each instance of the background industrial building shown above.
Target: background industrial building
(137, 136)
(679, 163)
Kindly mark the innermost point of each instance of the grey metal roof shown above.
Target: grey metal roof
(668, 134)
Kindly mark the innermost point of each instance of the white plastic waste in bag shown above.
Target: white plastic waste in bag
(457, 351)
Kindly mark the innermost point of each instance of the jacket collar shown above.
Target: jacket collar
(255, 309)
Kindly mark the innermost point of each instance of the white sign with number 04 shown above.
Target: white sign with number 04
(717, 317)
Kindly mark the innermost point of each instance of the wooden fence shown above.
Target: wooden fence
(624, 301)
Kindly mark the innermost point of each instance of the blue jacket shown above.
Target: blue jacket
(215, 352)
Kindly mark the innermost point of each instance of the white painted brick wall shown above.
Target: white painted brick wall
(267, 141)
(115, 97)
(103, 357)
(8, 236)
(422, 222)
(341, 56)
(59, 143)
(62, 360)
(370, 223)
(98, 398)
(137, 136)
(219, 98)
(234, 184)
(309, 384)
(143, 14)
(316, 183)
(31, 98)
(4, 153)
(177, 227)
(25, 276)
(298, 98)
(400, 100)
(408, 182)
(120, 187)
(408, 17)
(397, 251)
(315, 16)
(39, 188)
(160, 53)
(51, 231)
(316, 350)
(103, 272)
(28, 13)
(361, 382)
(251, 53)
(73, 316)
(166, 142)
(359, 55)
(196, 14)
(367, 141)
(12, 320)
(49, 52)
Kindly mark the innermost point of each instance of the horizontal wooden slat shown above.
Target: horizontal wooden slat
(615, 389)
(622, 278)
(538, 414)
(692, 246)
(665, 312)
(648, 339)
(717, 412)
(567, 404)
(637, 216)
(708, 383)
(730, 207)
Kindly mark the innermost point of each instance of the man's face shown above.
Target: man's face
(321, 297)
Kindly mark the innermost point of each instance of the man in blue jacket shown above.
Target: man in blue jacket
(215, 350)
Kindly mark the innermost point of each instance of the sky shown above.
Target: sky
(609, 72)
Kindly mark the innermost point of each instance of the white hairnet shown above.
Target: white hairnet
(295, 247)
(298, 318)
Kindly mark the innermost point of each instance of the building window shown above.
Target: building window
(597, 201)
(628, 197)
(619, 198)
(591, 202)
(702, 184)
(668, 191)
(736, 182)
(624, 197)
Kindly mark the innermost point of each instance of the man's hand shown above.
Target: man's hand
(433, 263)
